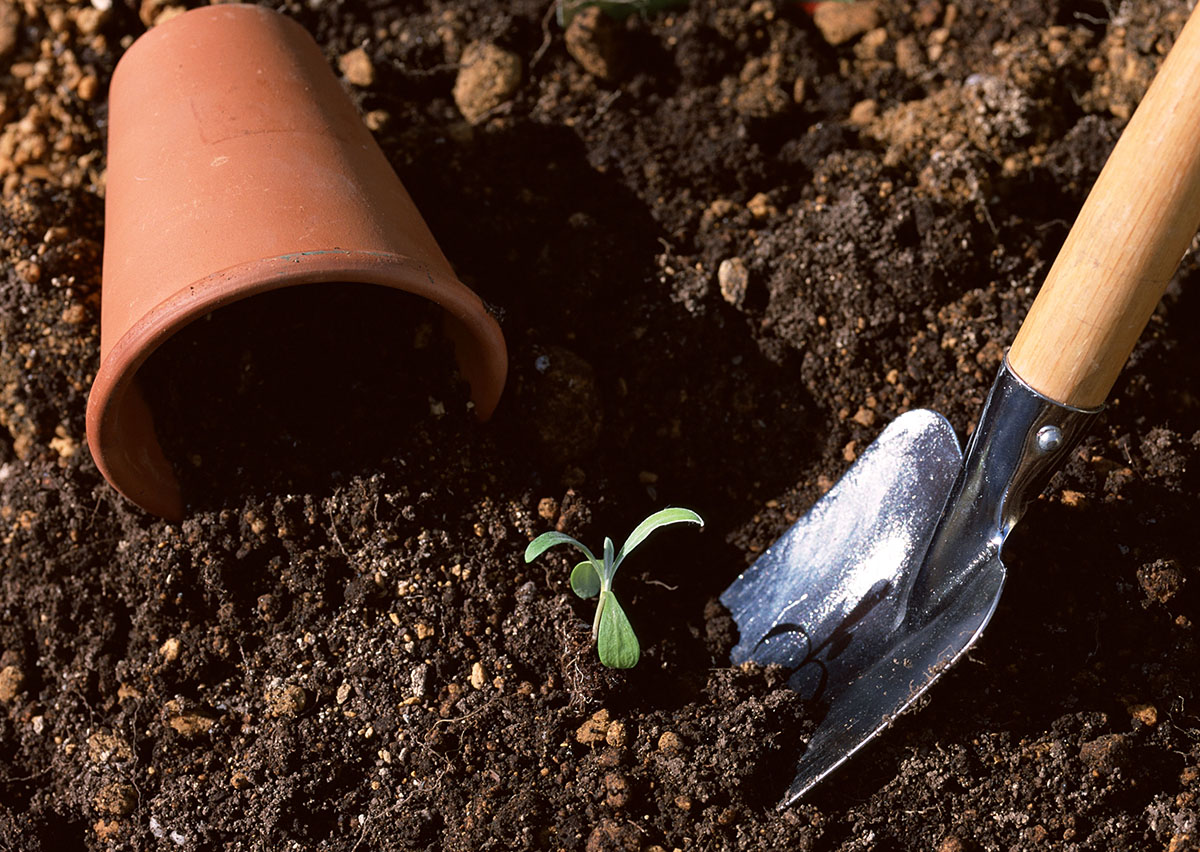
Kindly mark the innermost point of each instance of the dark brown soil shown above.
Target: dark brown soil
(720, 271)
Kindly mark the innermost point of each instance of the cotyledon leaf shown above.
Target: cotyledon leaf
(616, 642)
(585, 582)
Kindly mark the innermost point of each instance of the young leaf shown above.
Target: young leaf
(610, 565)
(585, 582)
(547, 540)
(658, 519)
(616, 642)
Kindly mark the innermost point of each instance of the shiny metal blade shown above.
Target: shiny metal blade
(893, 574)
(869, 703)
(824, 600)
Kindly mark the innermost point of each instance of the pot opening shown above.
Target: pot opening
(300, 388)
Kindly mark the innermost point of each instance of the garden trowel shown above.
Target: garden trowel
(894, 573)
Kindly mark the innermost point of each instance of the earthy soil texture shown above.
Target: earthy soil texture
(727, 243)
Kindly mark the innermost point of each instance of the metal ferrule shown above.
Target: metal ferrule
(1021, 439)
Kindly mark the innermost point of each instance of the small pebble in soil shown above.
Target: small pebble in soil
(594, 41)
(840, 22)
(117, 799)
(286, 701)
(616, 788)
(733, 278)
(189, 723)
(11, 679)
(610, 835)
(1106, 754)
(669, 741)
(487, 77)
(1161, 580)
(419, 681)
(1147, 714)
(478, 676)
(10, 27)
(105, 746)
(595, 729)
(106, 829)
(170, 649)
(356, 67)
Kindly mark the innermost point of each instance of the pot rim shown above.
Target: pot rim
(143, 474)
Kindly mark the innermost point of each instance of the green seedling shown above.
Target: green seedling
(615, 640)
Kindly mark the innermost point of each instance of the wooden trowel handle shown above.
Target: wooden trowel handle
(1126, 244)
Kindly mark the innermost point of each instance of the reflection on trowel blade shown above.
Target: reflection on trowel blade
(826, 601)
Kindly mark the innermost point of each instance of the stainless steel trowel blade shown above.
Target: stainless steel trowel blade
(827, 600)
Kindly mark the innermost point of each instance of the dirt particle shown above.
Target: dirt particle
(733, 278)
(239, 780)
(547, 508)
(595, 729)
(951, 843)
(594, 41)
(478, 676)
(615, 736)
(684, 803)
(343, 693)
(799, 90)
(11, 679)
(840, 22)
(669, 741)
(29, 270)
(170, 649)
(1073, 499)
(863, 112)
(1106, 754)
(106, 829)
(356, 67)
(760, 206)
(117, 799)
(761, 93)
(10, 27)
(155, 12)
(376, 120)
(187, 722)
(1147, 714)
(423, 630)
(105, 746)
(864, 417)
(612, 836)
(1161, 580)
(89, 19)
(616, 787)
(287, 701)
(418, 681)
(488, 76)
(87, 88)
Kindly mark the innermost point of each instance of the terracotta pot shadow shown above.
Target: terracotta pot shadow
(237, 165)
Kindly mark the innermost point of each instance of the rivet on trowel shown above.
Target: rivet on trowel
(1049, 439)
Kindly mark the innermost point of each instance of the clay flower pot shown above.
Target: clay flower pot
(237, 165)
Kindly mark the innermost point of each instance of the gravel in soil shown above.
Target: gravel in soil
(727, 244)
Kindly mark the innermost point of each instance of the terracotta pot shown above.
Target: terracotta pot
(237, 165)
